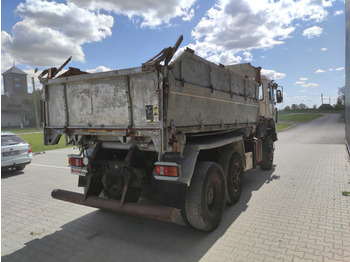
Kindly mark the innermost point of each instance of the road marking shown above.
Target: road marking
(50, 166)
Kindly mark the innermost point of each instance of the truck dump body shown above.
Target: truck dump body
(192, 96)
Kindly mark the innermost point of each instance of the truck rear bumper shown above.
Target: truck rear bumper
(148, 211)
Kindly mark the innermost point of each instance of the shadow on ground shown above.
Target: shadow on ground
(104, 236)
(7, 173)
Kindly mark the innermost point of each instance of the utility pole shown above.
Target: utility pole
(35, 105)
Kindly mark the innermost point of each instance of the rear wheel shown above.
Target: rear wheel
(205, 201)
(267, 153)
(231, 163)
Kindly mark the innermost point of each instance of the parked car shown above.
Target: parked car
(16, 153)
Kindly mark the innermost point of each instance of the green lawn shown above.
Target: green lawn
(35, 139)
(282, 126)
(298, 117)
(37, 142)
(22, 130)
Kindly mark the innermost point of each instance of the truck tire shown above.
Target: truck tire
(231, 163)
(205, 200)
(267, 154)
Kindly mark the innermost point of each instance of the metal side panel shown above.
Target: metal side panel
(205, 94)
(192, 105)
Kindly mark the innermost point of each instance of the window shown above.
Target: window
(17, 85)
(261, 92)
(17, 79)
(11, 140)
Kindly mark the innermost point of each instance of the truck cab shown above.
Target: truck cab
(269, 95)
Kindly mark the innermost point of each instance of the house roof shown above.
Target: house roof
(14, 70)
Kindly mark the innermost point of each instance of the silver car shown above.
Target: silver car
(16, 153)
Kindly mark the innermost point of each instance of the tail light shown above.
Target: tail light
(29, 149)
(75, 161)
(167, 171)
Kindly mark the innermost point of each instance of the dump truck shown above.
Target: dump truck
(169, 140)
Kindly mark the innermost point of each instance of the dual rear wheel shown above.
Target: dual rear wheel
(213, 184)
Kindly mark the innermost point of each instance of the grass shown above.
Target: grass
(282, 126)
(298, 117)
(35, 139)
(345, 193)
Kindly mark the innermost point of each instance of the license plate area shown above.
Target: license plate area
(78, 171)
(10, 153)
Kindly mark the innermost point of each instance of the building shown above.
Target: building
(326, 107)
(15, 103)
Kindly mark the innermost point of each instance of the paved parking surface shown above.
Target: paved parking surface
(294, 212)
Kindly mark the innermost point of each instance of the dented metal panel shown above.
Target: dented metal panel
(203, 94)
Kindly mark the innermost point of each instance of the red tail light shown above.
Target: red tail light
(29, 149)
(166, 171)
(75, 161)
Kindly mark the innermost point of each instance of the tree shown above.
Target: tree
(314, 107)
(341, 95)
(287, 108)
(303, 106)
(295, 107)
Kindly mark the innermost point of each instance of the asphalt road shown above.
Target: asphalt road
(294, 212)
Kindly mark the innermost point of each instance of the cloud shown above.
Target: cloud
(98, 69)
(234, 26)
(303, 83)
(319, 71)
(324, 49)
(339, 69)
(272, 74)
(248, 56)
(330, 69)
(314, 31)
(338, 12)
(51, 32)
(299, 99)
(303, 91)
(310, 85)
(150, 13)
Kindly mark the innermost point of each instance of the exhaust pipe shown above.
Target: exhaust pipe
(162, 213)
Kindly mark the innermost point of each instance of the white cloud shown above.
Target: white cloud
(310, 85)
(330, 69)
(6, 61)
(303, 91)
(314, 31)
(248, 56)
(339, 69)
(150, 13)
(98, 69)
(243, 25)
(338, 12)
(303, 83)
(51, 32)
(324, 49)
(272, 74)
(319, 71)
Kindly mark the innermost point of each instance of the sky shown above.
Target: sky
(300, 44)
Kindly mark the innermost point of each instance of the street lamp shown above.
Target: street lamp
(35, 105)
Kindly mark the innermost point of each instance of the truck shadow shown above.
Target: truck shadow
(105, 236)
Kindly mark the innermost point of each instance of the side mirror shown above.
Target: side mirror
(279, 96)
